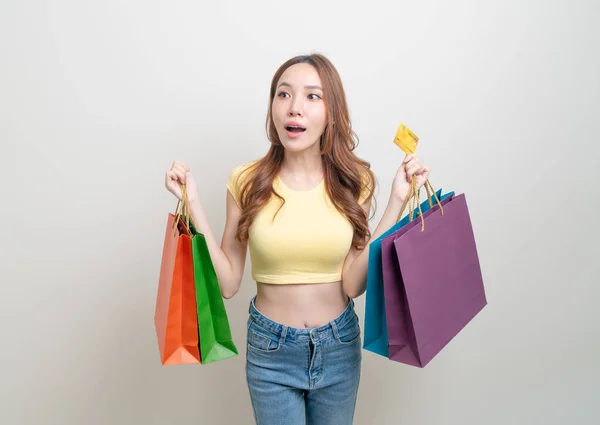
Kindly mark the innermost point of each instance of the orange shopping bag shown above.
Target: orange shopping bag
(176, 317)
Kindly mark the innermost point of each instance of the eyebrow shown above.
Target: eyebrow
(306, 87)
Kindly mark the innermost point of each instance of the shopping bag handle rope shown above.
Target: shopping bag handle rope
(183, 210)
(413, 200)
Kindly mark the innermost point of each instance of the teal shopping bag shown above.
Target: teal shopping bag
(375, 325)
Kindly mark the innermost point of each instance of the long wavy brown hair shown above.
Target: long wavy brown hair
(346, 175)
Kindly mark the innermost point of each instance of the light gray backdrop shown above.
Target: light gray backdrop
(98, 98)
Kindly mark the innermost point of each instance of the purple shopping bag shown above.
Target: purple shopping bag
(432, 281)
(400, 333)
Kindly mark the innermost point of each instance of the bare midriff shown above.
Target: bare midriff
(301, 305)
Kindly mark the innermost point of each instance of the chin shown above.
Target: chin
(297, 145)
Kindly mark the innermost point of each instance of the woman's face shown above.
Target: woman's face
(298, 109)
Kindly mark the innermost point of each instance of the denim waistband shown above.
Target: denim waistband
(282, 331)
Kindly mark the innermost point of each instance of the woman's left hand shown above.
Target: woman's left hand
(410, 167)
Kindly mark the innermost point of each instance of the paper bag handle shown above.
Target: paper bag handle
(183, 210)
(413, 201)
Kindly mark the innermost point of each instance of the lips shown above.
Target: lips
(293, 127)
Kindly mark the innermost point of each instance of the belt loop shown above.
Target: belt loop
(334, 328)
(251, 304)
(284, 330)
(350, 305)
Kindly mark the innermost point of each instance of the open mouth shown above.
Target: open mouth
(295, 128)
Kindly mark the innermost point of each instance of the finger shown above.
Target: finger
(179, 167)
(414, 161)
(413, 169)
(422, 175)
(180, 175)
(408, 158)
(184, 175)
(172, 181)
(174, 175)
(171, 175)
(185, 167)
(418, 169)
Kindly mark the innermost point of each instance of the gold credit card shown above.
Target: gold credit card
(406, 140)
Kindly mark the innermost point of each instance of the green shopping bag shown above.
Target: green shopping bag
(216, 342)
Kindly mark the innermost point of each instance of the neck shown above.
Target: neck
(305, 164)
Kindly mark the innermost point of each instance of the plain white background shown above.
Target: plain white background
(98, 98)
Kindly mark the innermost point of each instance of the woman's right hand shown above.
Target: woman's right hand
(180, 174)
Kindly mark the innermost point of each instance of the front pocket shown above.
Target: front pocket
(349, 334)
(263, 343)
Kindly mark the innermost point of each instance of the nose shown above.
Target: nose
(295, 107)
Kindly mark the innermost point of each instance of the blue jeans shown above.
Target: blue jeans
(303, 376)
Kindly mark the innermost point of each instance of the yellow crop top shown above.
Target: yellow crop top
(306, 243)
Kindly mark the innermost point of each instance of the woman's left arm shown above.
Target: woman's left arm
(354, 274)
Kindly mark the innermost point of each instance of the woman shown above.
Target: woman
(302, 210)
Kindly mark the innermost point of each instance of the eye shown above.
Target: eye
(313, 96)
(282, 94)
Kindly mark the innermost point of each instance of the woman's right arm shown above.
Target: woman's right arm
(228, 258)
